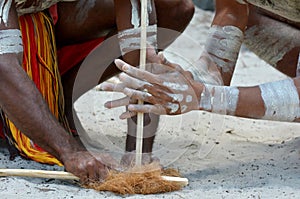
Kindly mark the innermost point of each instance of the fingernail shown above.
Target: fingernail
(161, 55)
(125, 67)
(130, 107)
(122, 117)
(121, 64)
(107, 105)
(118, 62)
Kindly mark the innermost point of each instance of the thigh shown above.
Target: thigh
(84, 20)
(174, 14)
(273, 40)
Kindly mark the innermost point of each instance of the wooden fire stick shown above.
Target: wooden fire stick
(143, 50)
(66, 175)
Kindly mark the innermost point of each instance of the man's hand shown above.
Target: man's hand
(171, 92)
(89, 167)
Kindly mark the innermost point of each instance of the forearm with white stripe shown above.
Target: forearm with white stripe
(129, 39)
(280, 98)
(10, 41)
(221, 49)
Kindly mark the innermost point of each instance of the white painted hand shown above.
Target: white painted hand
(172, 92)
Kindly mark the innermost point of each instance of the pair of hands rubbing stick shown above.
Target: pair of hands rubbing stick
(135, 180)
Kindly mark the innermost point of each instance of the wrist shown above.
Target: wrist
(223, 44)
(219, 99)
(67, 145)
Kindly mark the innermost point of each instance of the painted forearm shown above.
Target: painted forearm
(24, 106)
(277, 101)
(223, 46)
(218, 60)
(223, 43)
(129, 28)
(19, 98)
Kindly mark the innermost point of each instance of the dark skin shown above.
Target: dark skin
(38, 123)
(67, 32)
(232, 13)
(227, 13)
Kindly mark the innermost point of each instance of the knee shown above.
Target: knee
(180, 11)
(183, 10)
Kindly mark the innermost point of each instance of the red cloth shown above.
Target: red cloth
(72, 55)
(53, 13)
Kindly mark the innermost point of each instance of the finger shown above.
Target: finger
(139, 95)
(162, 58)
(120, 64)
(106, 86)
(135, 72)
(117, 103)
(147, 108)
(92, 172)
(79, 171)
(159, 94)
(132, 82)
(127, 115)
(102, 174)
(108, 161)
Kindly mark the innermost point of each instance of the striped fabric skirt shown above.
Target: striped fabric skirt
(41, 65)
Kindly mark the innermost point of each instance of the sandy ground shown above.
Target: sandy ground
(222, 156)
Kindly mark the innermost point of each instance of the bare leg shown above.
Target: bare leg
(174, 15)
(275, 41)
(101, 19)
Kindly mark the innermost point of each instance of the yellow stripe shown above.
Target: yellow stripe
(50, 83)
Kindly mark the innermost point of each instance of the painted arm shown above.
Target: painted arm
(176, 92)
(223, 42)
(24, 105)
(128, 21)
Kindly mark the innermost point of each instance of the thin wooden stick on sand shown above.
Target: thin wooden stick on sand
(66, 175)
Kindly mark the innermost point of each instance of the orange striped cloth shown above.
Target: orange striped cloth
(40, 63)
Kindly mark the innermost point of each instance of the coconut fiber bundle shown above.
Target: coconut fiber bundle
(146, 179)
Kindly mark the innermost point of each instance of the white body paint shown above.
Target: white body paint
(188, 99)
(219, 99)
(177, 97)
(281, 100)
(223, 44)
(269, 43)
(135, 17)
(4, 10)
(149, 6)
(176, 86)
(241, 1)
(203, 72)
(129, 39)
(298, 67)
(174, 107)
(10, 41)
(288, 9)
(183, 108)
(82, 8)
